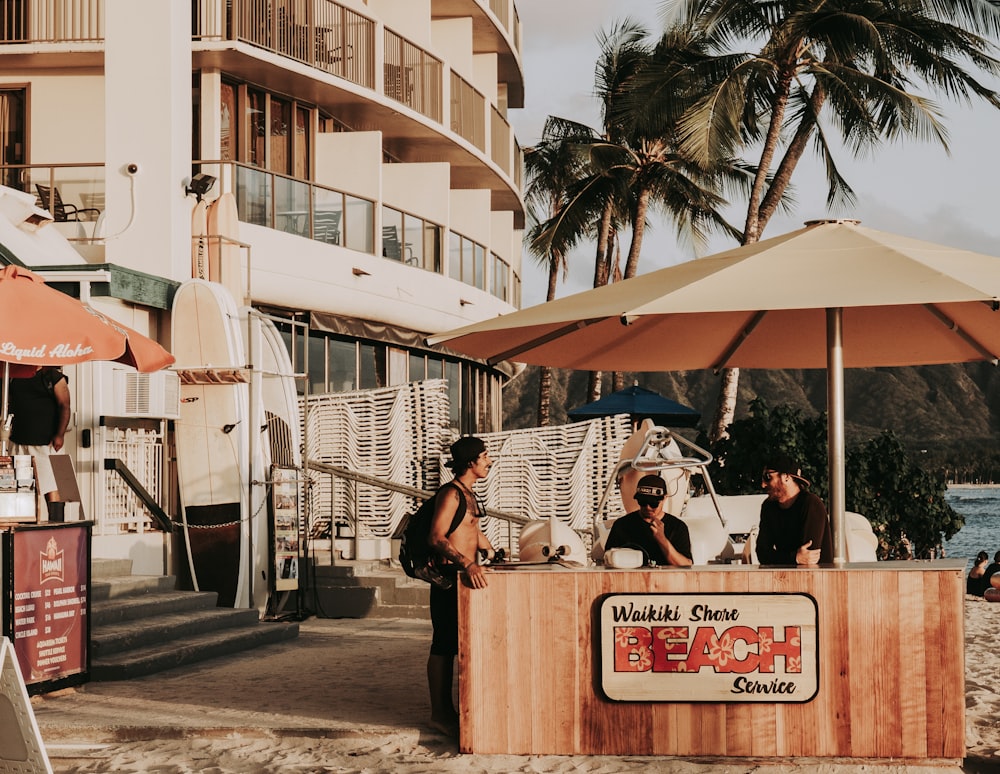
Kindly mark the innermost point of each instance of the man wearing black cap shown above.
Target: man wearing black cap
(794, 527)
(662, 537)
(459, 547)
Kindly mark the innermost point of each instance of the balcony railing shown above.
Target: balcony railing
(65, 21)
(320, 33)
(468, 112)
(501, 9)
(297, 206)
(72, 193)
(412, 76)
(500, 140)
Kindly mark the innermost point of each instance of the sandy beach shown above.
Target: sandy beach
(350, 696)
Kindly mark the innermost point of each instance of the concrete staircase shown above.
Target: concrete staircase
(366, 589)
(140, 624)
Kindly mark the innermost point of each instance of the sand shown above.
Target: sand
(350, 696)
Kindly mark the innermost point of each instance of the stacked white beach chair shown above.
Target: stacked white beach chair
(401, 434)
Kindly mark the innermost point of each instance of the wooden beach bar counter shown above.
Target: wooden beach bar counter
(853, 661)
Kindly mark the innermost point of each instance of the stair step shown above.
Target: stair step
(344, 601)
(127, 635)
(116, 610)
(112, 587)
(367, 589)
(104, 568)
(189, 650)
(400, 611)
(392, 589)
(355, 568)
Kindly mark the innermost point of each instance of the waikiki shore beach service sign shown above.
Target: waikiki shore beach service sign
(709, 647)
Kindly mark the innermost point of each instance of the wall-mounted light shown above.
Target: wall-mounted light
(200, 185)
(464, 302)
(360, 272)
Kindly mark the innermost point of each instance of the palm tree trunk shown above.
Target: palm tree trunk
(602, 272)
(545, 375)
(725, 408)
(594, 386)
(544, 396)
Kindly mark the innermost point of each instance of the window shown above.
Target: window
(265, 130)
(342, 364)
(12, 133)
(411, 240)
(317, 365)
(301, 144)
(499, 284)
(466, 261)
(227, 122)
(256, 122)
(418, 369)
(373, 366)
(280, 137)
(479, 266)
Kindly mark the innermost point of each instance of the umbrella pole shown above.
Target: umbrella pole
(4, 432)
(835, 429)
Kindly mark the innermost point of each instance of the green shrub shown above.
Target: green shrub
(904, 503)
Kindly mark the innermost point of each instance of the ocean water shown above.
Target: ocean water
(980, 505)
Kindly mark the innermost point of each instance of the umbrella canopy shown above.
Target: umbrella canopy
(640, 403)
(42, 326)
(832, 294)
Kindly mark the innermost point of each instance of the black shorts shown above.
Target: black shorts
(444, 617)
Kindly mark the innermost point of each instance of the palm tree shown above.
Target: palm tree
(863, 67)
(633, 167)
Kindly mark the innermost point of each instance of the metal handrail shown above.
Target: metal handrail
(163, 521)
(392, 486)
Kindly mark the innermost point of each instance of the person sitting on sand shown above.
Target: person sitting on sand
(977, 583)
(992, 569)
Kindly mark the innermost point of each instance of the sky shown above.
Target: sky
(914, 188)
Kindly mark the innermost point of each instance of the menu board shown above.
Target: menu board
(285, 505)
(50, 592)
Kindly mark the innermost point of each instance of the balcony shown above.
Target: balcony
(324, 214)
(343, 75)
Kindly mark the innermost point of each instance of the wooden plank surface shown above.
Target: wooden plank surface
(891, 667)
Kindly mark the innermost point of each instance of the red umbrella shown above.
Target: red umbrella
(41, 326)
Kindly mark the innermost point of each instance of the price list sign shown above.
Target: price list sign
(51, 573)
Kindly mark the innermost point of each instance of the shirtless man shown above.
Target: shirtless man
(470, 462)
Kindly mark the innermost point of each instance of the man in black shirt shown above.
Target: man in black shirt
(662, 537)
(794, 527)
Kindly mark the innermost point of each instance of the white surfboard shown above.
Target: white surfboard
(199, 242)
(275, 412)
(223, 252)
(211, 439)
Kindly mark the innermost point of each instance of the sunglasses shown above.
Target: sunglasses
(649, 502)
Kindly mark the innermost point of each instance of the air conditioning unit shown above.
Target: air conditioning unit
(128, 393)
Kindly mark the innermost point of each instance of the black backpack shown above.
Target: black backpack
(415, 554)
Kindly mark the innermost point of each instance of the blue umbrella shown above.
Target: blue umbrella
(640, 403)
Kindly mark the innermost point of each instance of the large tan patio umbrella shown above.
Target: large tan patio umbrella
(833, 294)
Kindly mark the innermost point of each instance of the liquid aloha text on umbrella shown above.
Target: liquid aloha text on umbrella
(65, 351)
